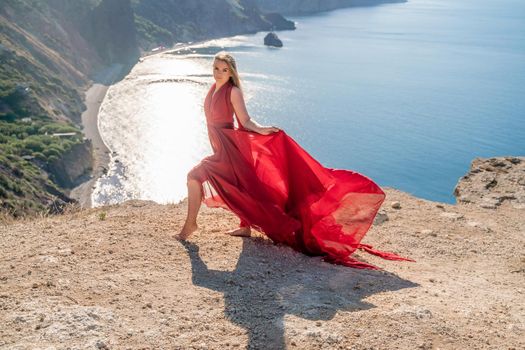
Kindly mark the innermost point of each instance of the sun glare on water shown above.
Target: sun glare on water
(153, 122)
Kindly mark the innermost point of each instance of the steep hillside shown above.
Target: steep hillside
(304, 7)
(169, 21)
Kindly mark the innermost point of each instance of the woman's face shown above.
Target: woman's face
(221, 71)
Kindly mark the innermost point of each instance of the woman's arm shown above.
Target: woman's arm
(247, 122)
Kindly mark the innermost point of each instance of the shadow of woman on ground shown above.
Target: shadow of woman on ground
(272, 281)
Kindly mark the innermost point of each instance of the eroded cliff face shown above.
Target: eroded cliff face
(304, 7)
(73, 166)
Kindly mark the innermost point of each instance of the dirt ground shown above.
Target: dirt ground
(114, 278)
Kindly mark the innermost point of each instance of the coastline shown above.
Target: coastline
(94, 96)
(101, 153)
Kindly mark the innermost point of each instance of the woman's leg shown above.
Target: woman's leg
(194, 204)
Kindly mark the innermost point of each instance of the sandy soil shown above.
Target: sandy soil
(114, 278)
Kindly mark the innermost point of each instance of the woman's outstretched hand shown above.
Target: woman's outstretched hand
(267, 130)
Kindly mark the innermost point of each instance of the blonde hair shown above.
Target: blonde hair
(232, 65)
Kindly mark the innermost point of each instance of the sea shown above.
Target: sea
(407, 94)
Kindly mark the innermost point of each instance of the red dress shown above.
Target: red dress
(276, 187)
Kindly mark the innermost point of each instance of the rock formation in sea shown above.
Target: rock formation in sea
(271, 39)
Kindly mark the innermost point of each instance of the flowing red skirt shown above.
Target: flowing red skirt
(276, 187)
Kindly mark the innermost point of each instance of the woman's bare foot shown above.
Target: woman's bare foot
(240, 232)
(186, 231)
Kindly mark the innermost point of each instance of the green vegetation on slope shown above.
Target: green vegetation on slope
(149, 34)
(27, 148)
(27, 85)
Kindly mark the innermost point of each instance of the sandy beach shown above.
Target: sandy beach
(101, 153)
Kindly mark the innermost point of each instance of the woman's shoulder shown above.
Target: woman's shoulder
(235, 91)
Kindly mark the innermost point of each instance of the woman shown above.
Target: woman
(273, 185)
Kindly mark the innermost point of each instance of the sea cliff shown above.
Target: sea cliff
(113, 277)
(308, 7)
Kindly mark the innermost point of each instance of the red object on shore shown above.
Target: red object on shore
(276, 187)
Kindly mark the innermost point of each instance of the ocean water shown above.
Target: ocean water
(407, 94)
